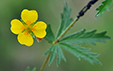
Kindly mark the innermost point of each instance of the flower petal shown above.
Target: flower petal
(25, 39)
(40, 25)
(39, 29)
(40, 33)
(29, 16)
(16, 26)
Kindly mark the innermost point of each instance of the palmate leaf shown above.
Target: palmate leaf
(104, 6)
(83, 37)
(80, 37)
(65, 20)
(50, 36)
(79, 52)
(55, 50)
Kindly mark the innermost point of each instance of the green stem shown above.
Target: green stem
(42, 68)
(75, 20)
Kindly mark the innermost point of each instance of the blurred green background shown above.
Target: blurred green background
(15, 57)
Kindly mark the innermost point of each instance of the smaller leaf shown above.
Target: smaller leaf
(55, 50)
(65, 20)
(70, 49)
(50, 36)
(91, 57)
(104, 6)
(83, 37)
(53, 53)
(28, 69)
(34, 69)
(60, 55)
(79, 52)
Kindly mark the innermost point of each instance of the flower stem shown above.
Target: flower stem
(42, 68)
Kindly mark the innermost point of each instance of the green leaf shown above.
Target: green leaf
(79, 52)
(50, 36)
(65, 20)
(28, 69)
(104, 6)
(55, 50)
(34, 69)
(53, 54)
(83, 37)
(60, 55)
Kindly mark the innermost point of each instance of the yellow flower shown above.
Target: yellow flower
(28, 27)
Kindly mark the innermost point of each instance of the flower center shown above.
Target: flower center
(28, 28)
(26, 33)
(28, 22)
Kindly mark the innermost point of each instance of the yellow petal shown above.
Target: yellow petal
(16, 26)
(25, 39)
(40, 33)
(40, 26)
(29, 16)
(39, 29)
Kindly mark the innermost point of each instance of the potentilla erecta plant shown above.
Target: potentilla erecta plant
(28, 29)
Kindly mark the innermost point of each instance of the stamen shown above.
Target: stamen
(28, 22)
(26, 32)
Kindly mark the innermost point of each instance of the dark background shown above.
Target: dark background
(15, 57)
